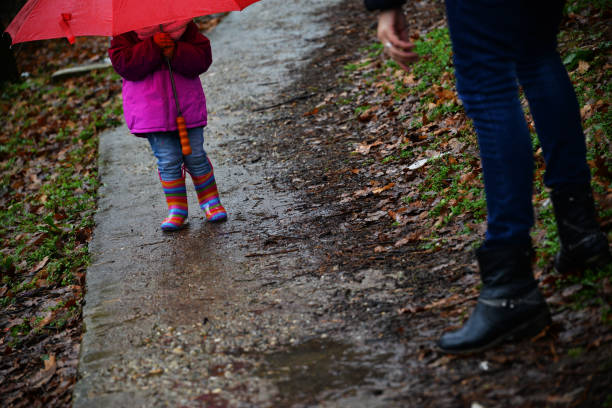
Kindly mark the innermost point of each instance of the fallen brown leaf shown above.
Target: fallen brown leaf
(384, 188)
(45, 374)
(40, 265)
(364, 148)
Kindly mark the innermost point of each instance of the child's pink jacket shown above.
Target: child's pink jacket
(148, 101)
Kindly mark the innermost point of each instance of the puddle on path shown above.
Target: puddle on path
(318, 369)
(197, 280)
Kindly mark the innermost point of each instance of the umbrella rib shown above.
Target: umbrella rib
(26, 13)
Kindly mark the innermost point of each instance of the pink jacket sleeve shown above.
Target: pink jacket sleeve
(134, 59)
(193, 55)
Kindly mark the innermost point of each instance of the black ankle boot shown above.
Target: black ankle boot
(583, 245)
(510, 305)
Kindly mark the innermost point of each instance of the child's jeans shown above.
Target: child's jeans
(166, 147)
(495, 44)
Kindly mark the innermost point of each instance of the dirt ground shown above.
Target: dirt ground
(392, 300)
(410, 306)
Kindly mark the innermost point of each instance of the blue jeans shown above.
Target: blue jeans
(166, 147)
(498, 44)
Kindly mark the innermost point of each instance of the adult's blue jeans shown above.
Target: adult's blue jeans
(166, 147)
(497, 45)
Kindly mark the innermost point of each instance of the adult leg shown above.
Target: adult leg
(550, 94)
(556, 114)
(510, 305)
(483, 48)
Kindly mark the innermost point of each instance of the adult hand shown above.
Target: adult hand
(393, 34)
(166, 43)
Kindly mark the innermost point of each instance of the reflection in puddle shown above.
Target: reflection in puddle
(317, 367)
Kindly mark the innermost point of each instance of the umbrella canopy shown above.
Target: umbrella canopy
(46, 19)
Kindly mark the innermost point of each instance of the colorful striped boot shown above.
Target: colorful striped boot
(208, 196)
(176, 197)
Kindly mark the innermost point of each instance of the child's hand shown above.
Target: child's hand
(166, 43)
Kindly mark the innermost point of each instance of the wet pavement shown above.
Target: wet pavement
(270, 309)
(209, 316)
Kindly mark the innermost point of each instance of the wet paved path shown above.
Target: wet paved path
(181, 320)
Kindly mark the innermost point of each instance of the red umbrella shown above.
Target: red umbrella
(46, 19)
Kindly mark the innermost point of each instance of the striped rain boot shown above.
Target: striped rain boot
(208, 196)
(176, 197)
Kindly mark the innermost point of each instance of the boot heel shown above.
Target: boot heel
(532, 327)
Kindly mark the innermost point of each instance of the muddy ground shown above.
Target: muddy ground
(303, 298)
(396, 298)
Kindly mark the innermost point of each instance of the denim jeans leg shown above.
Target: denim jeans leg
(197, 162)
(166, 147)
(483, 36)
(556, 114)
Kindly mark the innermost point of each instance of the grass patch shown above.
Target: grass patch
(450, 188)
(49, 179)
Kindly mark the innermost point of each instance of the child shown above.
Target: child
(150, 109)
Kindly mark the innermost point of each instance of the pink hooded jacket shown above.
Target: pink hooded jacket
(148, 101)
